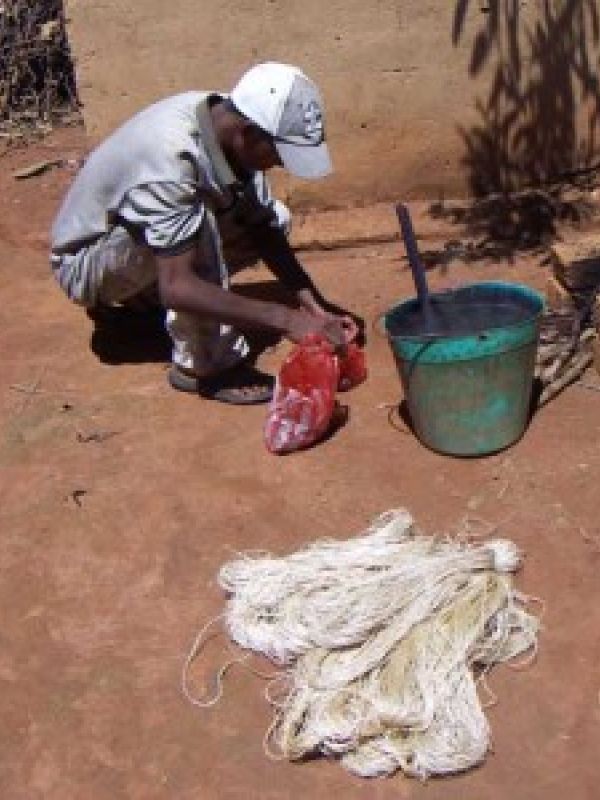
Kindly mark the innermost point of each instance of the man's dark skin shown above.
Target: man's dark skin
(247, 148)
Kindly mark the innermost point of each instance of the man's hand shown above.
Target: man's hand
(322, 309)
(349, 326)
(334, 329)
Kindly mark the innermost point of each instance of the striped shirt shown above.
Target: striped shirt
(162, 175)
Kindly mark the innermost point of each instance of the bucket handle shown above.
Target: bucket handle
(378, 327)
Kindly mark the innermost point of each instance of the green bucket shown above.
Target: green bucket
(469, 393)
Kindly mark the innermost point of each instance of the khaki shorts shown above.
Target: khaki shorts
(116, 267)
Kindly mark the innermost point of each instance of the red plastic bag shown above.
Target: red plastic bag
(353, 368)
(304, 402)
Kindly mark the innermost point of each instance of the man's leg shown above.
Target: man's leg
(209, 357)
(116, 268)
(203, 347)
(111, 270)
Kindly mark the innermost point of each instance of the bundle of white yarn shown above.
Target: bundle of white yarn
(381, 640)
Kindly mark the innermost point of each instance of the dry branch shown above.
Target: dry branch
(37, 78)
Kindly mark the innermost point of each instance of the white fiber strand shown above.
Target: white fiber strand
(383, 637)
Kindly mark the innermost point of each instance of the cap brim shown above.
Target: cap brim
(305, 162)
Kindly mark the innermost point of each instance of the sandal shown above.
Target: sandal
(242, 386)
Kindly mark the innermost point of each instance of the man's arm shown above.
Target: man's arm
(274, 248)
(181, 289)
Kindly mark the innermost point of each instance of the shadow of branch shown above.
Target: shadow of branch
(540, 118)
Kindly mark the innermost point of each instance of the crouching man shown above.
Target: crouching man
(175, 198)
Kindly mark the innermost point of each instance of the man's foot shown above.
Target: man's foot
(243, 385)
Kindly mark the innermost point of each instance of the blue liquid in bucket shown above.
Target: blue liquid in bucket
(448, 315)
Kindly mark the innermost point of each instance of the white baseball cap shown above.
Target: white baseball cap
(286, 104)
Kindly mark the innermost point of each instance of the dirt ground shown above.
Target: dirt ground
(120, 499)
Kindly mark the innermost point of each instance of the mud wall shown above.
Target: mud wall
(424, 98)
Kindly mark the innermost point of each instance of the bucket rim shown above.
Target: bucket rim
(524, 289)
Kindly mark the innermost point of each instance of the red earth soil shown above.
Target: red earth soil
(121, 498)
